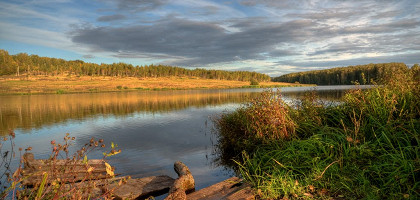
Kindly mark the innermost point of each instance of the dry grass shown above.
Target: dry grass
(75, 84)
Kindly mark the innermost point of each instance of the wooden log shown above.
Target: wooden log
(142, 188)
(61, 170)
(229, 189)
(184, 184)
(185, 176)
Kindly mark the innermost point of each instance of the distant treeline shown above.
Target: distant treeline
(363, 74)
(23, 63)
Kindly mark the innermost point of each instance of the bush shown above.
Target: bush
(269, 118)
(254, 82)
(262, 120)
(60, 91)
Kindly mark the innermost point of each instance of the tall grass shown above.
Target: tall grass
(260, 121)
(367, 147)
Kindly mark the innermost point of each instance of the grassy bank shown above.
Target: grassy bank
(83, 84)
(365, 148)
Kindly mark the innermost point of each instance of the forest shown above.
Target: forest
(23, 63)
(362, 74)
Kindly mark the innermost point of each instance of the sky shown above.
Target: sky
(274, 37)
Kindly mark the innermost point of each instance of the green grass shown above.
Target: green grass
(60, 91)
(365, 148)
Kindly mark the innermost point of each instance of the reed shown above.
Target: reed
(367, 147)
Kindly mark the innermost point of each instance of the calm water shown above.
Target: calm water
(152, 128)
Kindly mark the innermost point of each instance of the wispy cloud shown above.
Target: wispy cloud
(108, 18)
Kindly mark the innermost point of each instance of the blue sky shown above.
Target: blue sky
(268, 36)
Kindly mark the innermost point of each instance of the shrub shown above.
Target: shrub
(269, 118)
(261, 121)
(60, 91)
(254, 82)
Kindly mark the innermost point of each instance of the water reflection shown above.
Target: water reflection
(153, 128)
(36, 111)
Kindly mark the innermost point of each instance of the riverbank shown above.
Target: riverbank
(90, 84)
(365, 148)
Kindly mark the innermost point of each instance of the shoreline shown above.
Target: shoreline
(24, 85)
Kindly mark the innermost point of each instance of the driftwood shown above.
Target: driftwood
(180, 189)
(142, 188)
(62, 170)
(69, 171)
(183, 185)
(230, 189)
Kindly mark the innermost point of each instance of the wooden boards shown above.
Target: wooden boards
(61, 170)
(229, 189)
(142, 188)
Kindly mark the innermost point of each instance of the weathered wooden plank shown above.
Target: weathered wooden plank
(61, 170)
(34, 178)
(230, 189)
(44, 164)
(242, 193)
(142, 188)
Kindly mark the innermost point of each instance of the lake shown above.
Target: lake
(152, 128)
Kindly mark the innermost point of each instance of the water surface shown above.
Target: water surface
(153, 128)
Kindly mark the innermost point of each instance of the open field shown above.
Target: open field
(76, 84)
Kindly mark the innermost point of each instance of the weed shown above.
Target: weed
(71, 177)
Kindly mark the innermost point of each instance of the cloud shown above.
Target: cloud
(88, 56)
(263, 35)
(199, 43)
(400, 25)
(108, 18)
(186, 42)
(407, 58)
(140, 5)
(272, 3)
(33, 36)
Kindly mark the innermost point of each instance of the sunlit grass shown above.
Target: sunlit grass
(77, 84)
(365, 148)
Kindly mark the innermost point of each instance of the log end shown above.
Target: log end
(184, 184)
